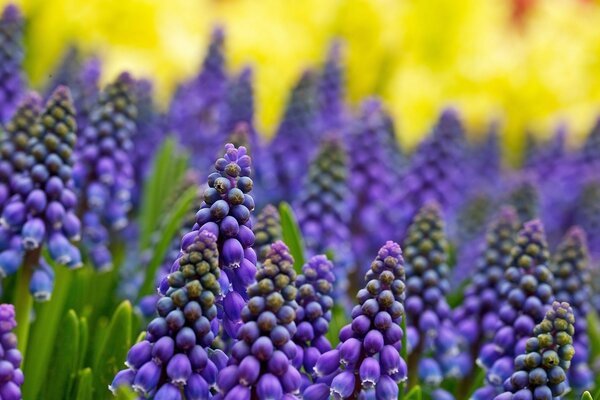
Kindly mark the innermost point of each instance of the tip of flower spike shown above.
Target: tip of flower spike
(32, 100)
(371, 105)
(11, 13)
(390, 249)
(432, 207)
(508, 214)
(449, 113)
(246, 74)
(279, 250)
(59, 94)
(218, 34)
(335, 50)
(125, 78)
(577, 236)
(533, 226)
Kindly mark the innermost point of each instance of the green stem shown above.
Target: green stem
(23, 300)
(403, 354)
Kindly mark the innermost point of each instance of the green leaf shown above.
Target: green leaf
(291, 235)
(593, 323)
(84, 338)
(43, 334)
(477, 382)
(338, 321)
(113, 351)
(403, 354)
(84, 386)
(172, 224)
(586, 396)
(415, 393)
(168, 169)
(65, 357)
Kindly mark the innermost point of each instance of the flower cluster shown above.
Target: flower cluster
(526, 297)
(374, 169)
(367, 363)
(11, 58)
(40, 204)
(103, 171)
(261, 360)
(587, 215)
(486, 161)
(541, 373)
(225, 212)
(11, 376)
(313, 315)
(477, 316)
(331, 109)
(195, 108)
(572, 278)
(293, 145)
(435, 173)
(323, 208)
(432, 340)
(523, 195)
(267, 230)
(175, 355)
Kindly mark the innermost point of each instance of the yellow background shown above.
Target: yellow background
(419, 55)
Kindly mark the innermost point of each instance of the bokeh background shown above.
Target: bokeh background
(531, 64)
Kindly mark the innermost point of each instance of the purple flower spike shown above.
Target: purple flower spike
(323, 210)
(293, 146)
(526, 293)
(314, 300)
(376, 163)
(331, 108)
(368, 353)
(475, 319)
(11, 375)
(174, 354)
(267, 230)
(541, 373)
(264, 338)
(103, 170)
(572, 279)
(227, 201)
(195, 110)
(425, 249)
(13, 81)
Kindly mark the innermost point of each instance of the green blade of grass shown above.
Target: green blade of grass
(291, 235)
(65, 357)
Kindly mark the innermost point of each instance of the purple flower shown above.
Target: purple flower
(103, 170)
(267, 230)
(526, 295)
(175, 353)
(425, 250)
(331, 109)
(367, 359)
(375, 167)
(323, 209)
(435, 172)
(293, 146)
(11, 376)
(313, 315)
(11, 77)
(195, 109)
(524, 196)
(572, 279)
(477, 316)
(262, 357)
(541, 373)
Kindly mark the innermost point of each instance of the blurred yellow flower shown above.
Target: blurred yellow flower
(419, 55)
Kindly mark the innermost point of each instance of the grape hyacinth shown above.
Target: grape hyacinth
(323, 209)
(85, 91)
(196, 106)
(587, 215)
(174, 356)
(315, 286)
(367, 362)
(523, 195)
(527, 294)
(12, 80)
(541, 370)
(486, 162)
(432, 339)
(293, 145)
(572, 280)
(477, 316)
(267, 230)
(435, 173)
(226, 212)
(104, 172)
(372, 182)
(11, 376)
(42, 209)
(261, 366)
(331, 109)
(590, 151)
